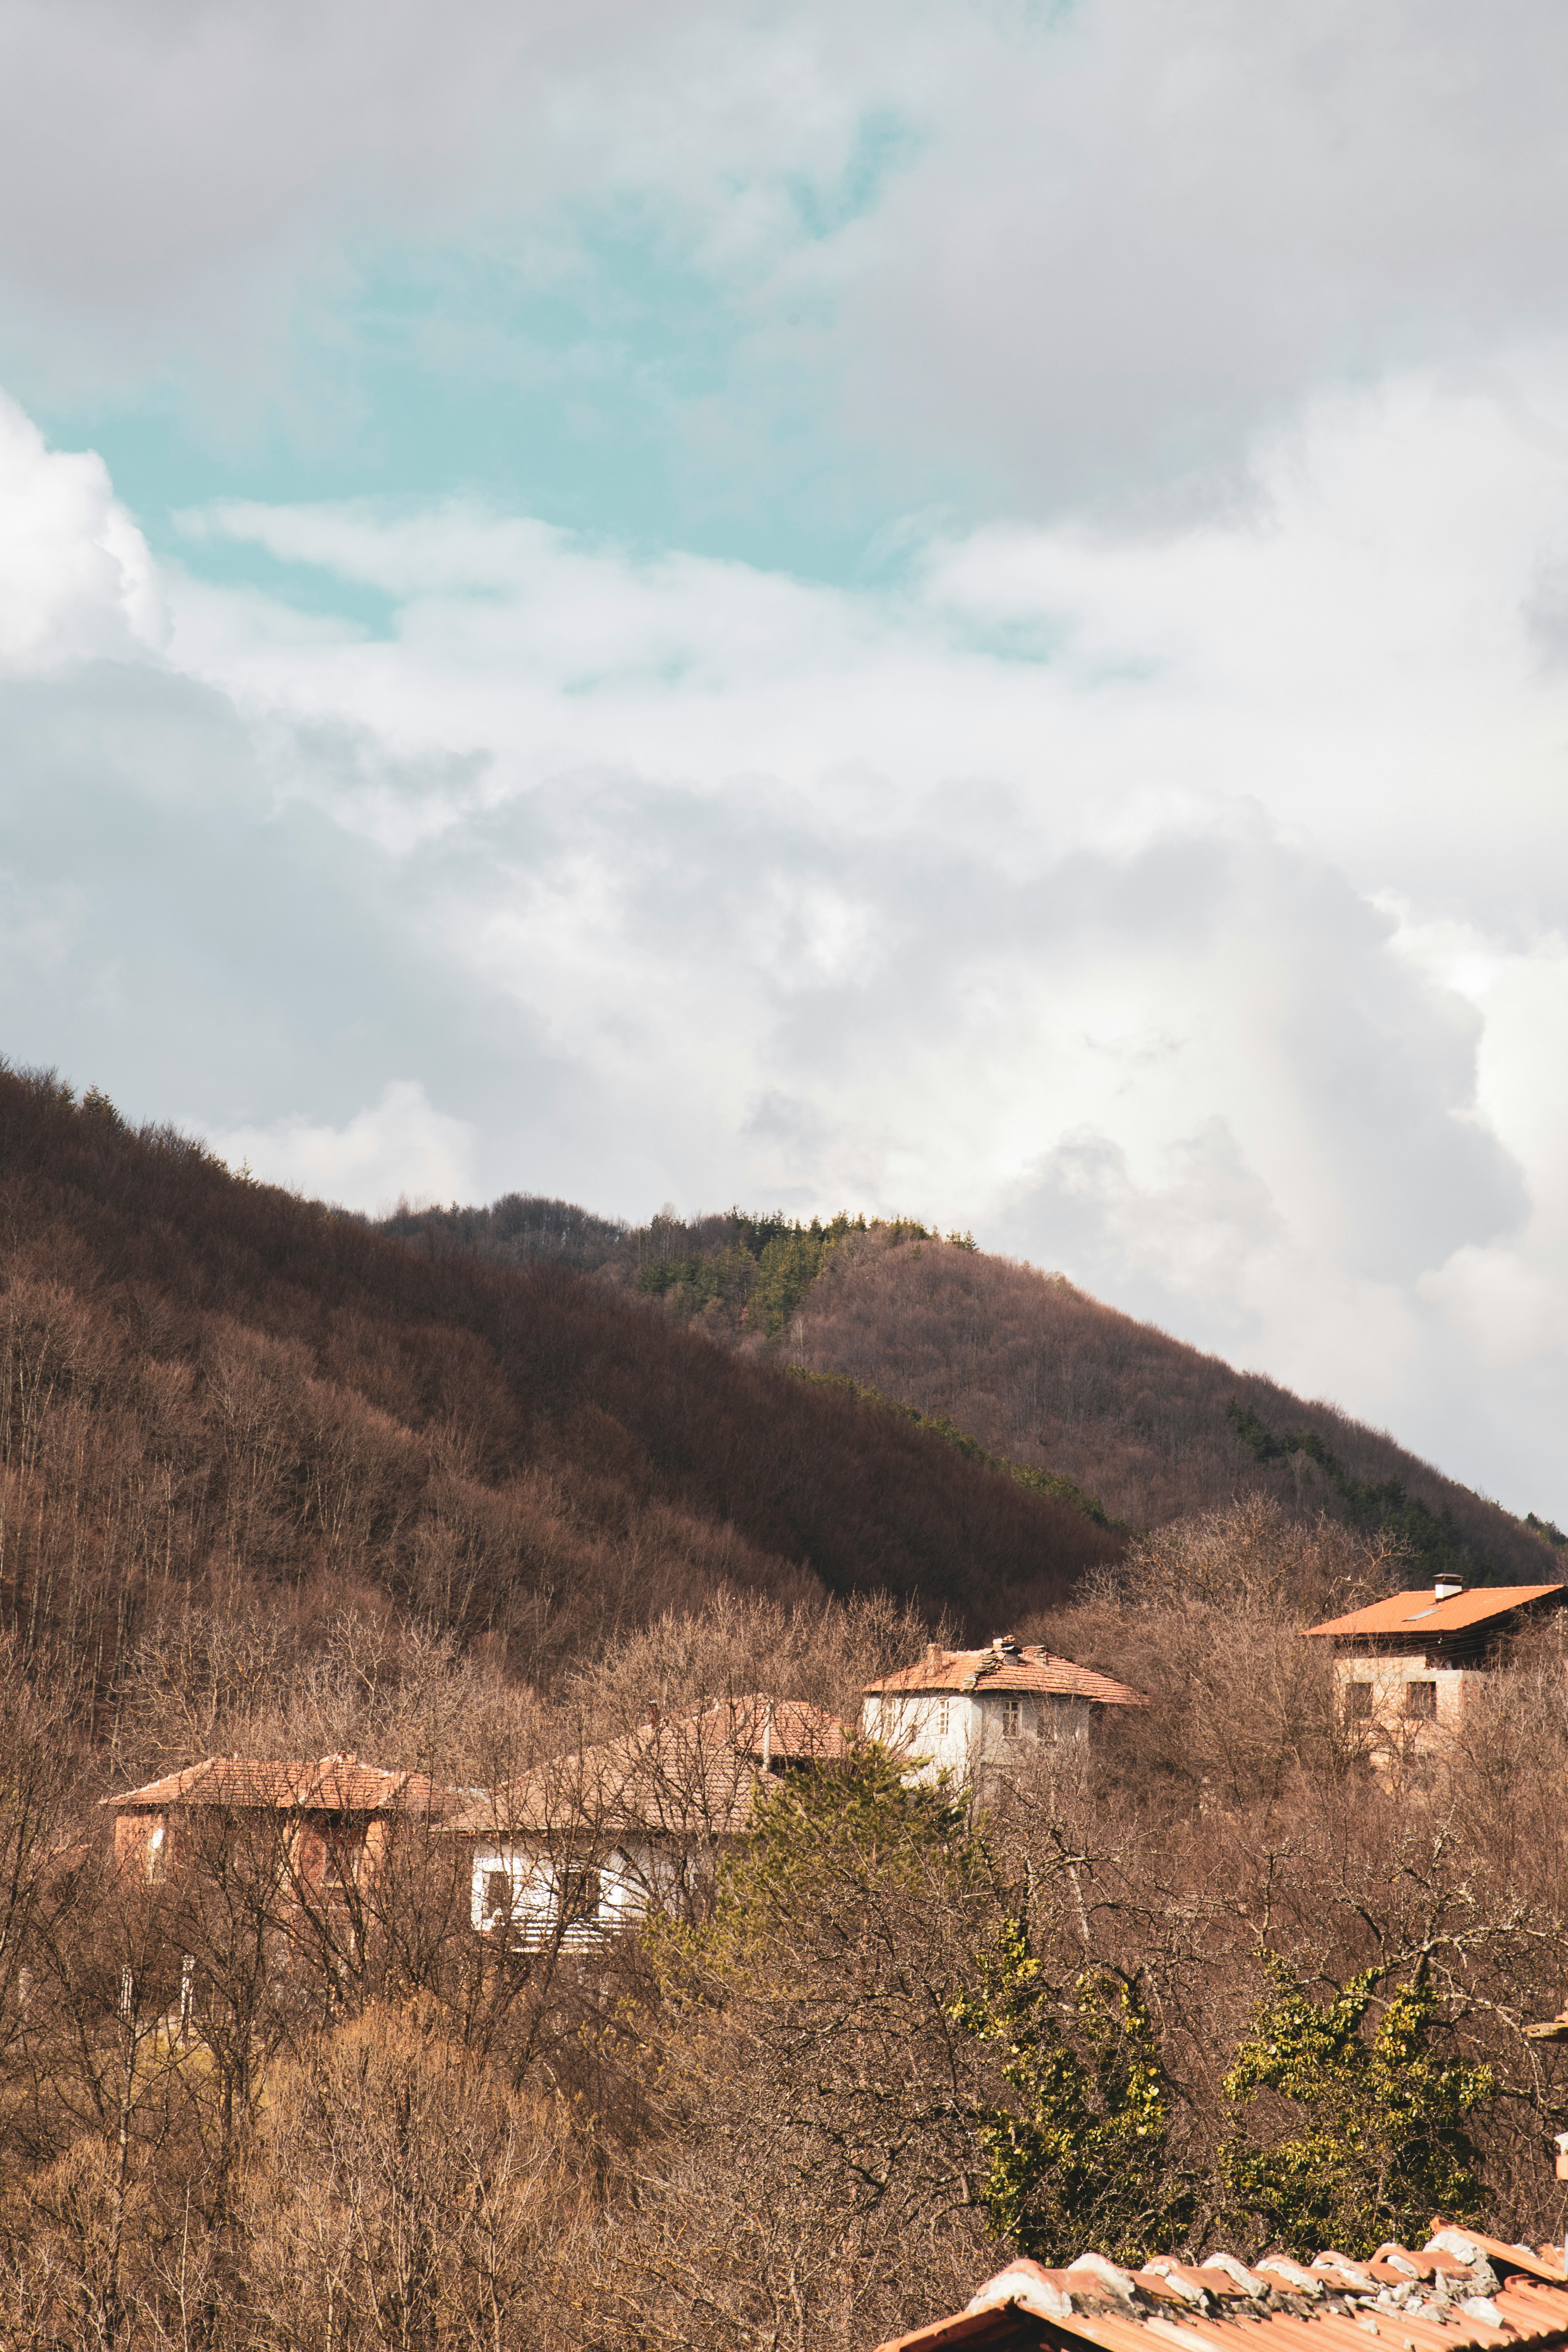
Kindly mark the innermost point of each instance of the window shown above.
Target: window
(1012, 1718)
(498, 1893)
(580, 1892)
(1358, 1701)
(1421, 1700)
(341, 1850)
(942, 1718)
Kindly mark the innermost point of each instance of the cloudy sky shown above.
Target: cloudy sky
(960, 608)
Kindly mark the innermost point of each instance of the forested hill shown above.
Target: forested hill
(212, 1386)
(1022, 1362)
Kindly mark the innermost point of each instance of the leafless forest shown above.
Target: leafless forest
(235, 2118)
(275, 1485)
(1022, 1361)
(218, 1392)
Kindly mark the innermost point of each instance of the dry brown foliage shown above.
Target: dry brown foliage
(220, 1404)
(1041, 1373)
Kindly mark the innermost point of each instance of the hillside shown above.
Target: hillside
(214, 1387)
(1025, 1365)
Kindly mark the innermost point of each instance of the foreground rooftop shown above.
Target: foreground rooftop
(1462, 2291)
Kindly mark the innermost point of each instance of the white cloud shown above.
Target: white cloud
(1361, 638)
(400, 1147)
(1101, 246)
(75, 578)
(1177, 905)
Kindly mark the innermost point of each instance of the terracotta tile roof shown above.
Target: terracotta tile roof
(1462, 2293)
(689, 1776)
(1420, 1613)
(330, 1784)
(1027, 1668)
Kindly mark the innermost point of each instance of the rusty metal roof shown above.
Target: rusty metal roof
(1461, 2293)
(1027, 1668)
(329, 1784)
(1421, 1613)
(687, 1776)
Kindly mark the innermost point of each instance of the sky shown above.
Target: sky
(950, 609)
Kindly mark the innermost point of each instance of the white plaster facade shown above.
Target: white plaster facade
(539, 1896)
(966, 1732)
(590, 1843)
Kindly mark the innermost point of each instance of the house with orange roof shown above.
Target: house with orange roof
(971, 1711)
(1405, 1664)
(588, 1845)
(330, 1821)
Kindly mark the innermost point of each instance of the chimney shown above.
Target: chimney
(768, 1737)
(1005, 1642)
(933, 1653)
(1448, 1588)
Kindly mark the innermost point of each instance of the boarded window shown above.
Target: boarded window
(1421, 1699)
(1012, 1718)
(1358, 1701)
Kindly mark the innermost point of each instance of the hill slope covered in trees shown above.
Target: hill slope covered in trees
(1024, 1364)
(213, 1387)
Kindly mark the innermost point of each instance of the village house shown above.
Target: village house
(329, 1824)
(972, 1711)
(1403, 1664)
(590, 1843)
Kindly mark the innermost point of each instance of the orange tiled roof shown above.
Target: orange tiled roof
(1421, 1612)
(1461, 2293)
(693, 1775)
(330, 1784)
(1027, 1668)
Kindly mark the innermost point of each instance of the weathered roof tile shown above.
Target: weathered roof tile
(1029, 1667)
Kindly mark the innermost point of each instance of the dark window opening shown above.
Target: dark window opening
(579, 1891)
(498, 1892)
(1421, 1699)
(1358, 1701)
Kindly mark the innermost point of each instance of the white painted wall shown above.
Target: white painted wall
(632, 1880)
(965, 1732)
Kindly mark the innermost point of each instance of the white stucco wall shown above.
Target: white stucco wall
(632, 1879)
(965, 1731)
